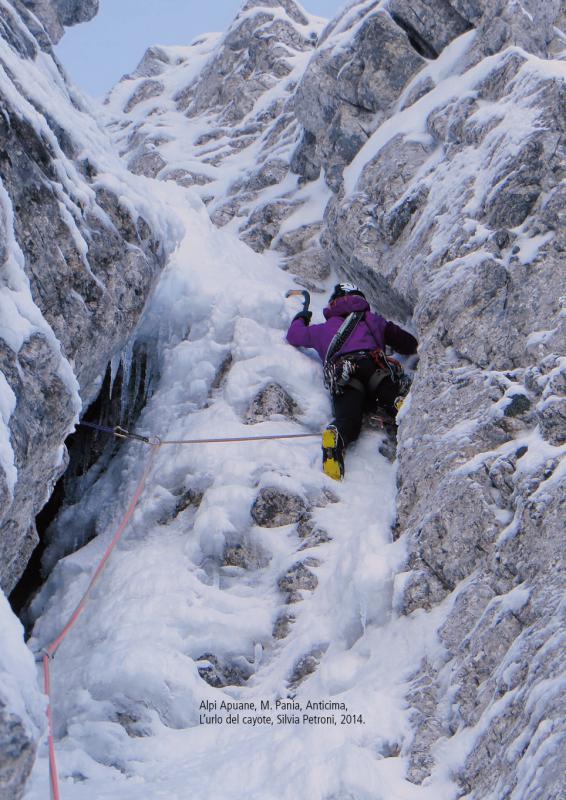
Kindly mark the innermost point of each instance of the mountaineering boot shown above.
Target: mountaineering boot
(332, 453)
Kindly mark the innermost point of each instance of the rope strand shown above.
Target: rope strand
(122, 433)
(49, 652)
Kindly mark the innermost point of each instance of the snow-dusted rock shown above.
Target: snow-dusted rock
(230, 100)
(347, 91)
(221, 673)
(299, 578)
(21, 707)
(79, 259)
(274, 507)
(451, 208)
(56, 15)
(272, 399)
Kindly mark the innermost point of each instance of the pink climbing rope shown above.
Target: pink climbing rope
(50, 651)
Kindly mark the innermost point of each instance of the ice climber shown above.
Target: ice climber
(351, 344)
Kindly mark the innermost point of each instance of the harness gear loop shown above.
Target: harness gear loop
(344, 369)
(338, 373)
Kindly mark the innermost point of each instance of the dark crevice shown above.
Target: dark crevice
(418, 43)
(119, 402)
(444, 582)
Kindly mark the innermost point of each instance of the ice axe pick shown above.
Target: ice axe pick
(304, 293)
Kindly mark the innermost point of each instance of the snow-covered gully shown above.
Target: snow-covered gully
(261, 631)
(246, 576)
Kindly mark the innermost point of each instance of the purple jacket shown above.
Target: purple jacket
(372, 332)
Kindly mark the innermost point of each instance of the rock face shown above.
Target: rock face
(274, 507)
(271, 400)
(56, 15)
(78, 264)
(444, 208)
(21, 713)
(79, 252)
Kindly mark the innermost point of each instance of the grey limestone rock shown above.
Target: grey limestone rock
(185, 177)
(470, 498)
(244, 553)
(429, 26)
(55, 15)
(256, 55)
(298, 240)
(219, 672)
(89, 303)
(306, 665)
(154, 61)
(282, 626)
(272, 399)
(145, 90)
(299, 578)
(264, 222)
(17, 754)
(148, 163)
(339, 113)
(274, 507)
(187, 498)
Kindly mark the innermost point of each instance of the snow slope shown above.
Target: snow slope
(126, 683)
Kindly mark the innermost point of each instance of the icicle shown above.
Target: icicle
(151, 367)
(139, 359)
(148, 375)
(126, 362)
(114, 367)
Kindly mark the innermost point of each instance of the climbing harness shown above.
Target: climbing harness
(338, 374)
(389, 366)
(342, 371)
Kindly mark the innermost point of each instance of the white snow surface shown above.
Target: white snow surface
(164, 601)
(19, 692)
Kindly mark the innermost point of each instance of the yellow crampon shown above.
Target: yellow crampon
(332, 460)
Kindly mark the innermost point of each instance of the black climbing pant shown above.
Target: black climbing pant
(349, 406)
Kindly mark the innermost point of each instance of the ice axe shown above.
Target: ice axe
(305, 294)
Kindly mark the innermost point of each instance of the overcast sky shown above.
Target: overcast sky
(97, 54)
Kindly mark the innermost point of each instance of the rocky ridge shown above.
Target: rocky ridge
(65, 229)
(56, 15)
(219, 116)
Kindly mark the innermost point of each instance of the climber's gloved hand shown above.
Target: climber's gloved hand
(305, 315)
